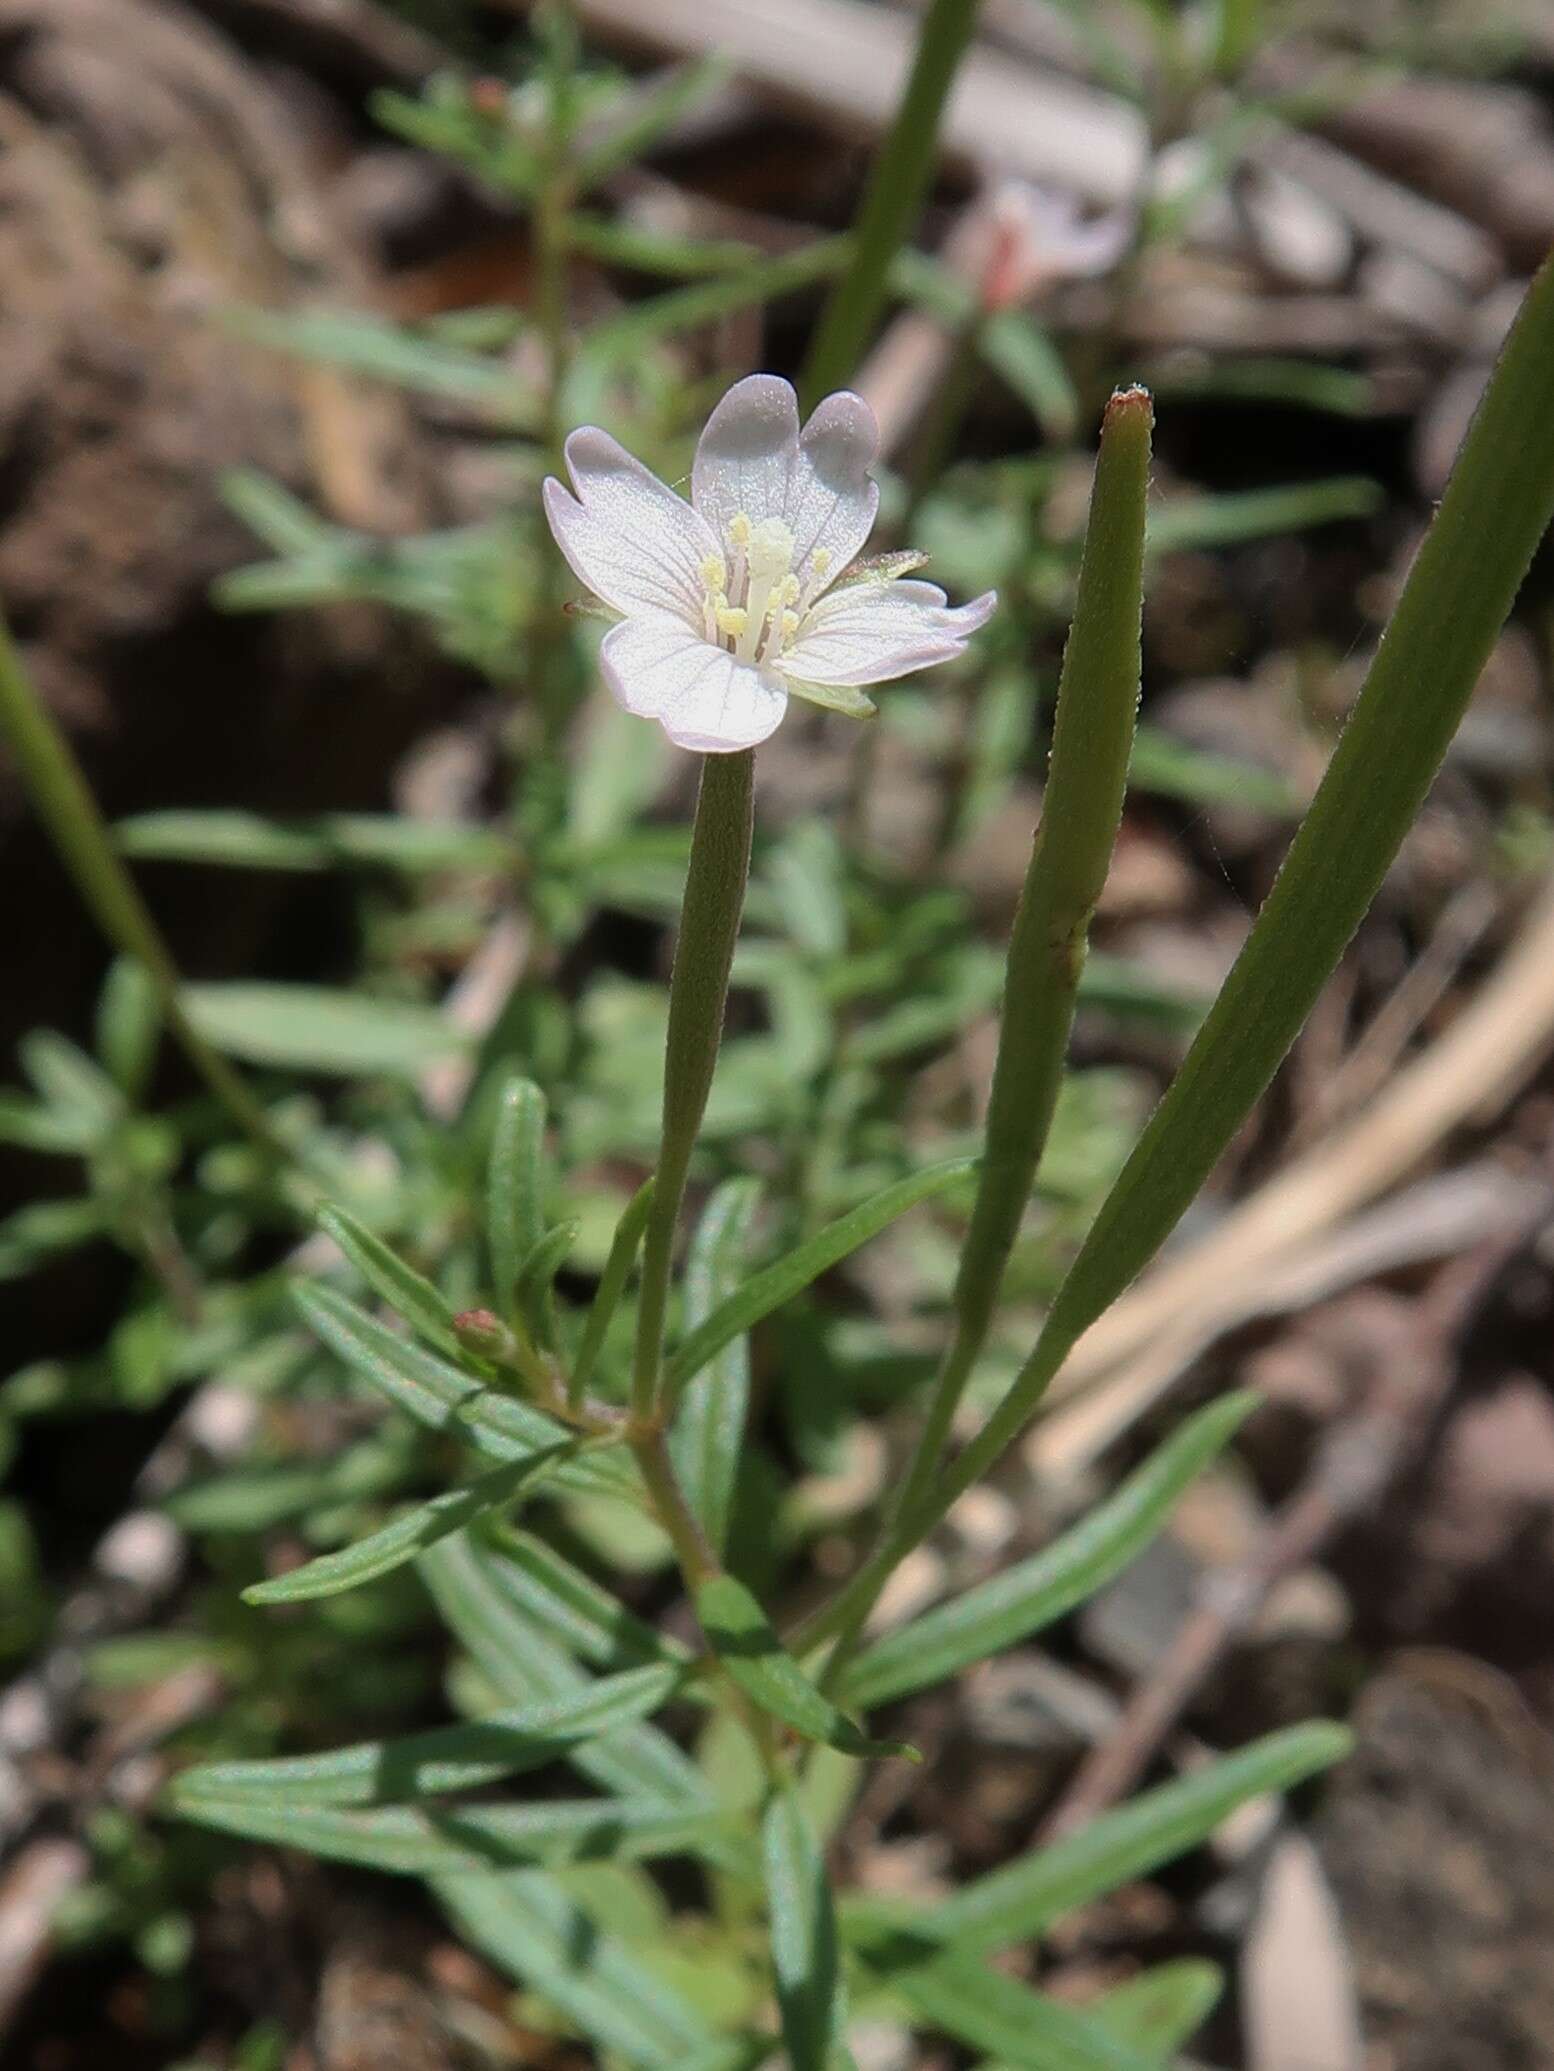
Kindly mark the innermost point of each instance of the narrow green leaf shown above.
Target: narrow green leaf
(537, 1276)
(621, 337)
(999, 2014)
(389, 352)
(515, 1185)
(571, 1609)
(1226, 520)
(1462, 584)
(39, 1128)
(311, 1028)
(1010, 1607)
(406, 1537)
(1014, 1903)
(494, 1422)
(466, 1580)
(400, 1285)
(247, 841)
(411, 1842)
(709, 1425)
(69, 1082)
(1024, 354)
(541, 1937)
(898, 185)
(776, 1284)
(612, 1285)
(445, 1399)
(1158, 2011)
(128, 1026)
(653, 112)
(655, 251)
(1171, 768)
(805, 1960)
(740, 1635)
(448, 1758)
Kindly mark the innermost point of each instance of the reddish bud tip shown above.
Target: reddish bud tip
(484, 1333)
(1128, 402)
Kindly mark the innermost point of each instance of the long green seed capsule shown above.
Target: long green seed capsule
(1098, 695)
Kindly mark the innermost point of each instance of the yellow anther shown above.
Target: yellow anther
(739, 529)
(788, 627)
(732, 618)
(714, 574)
(819, 563)
(789, 592)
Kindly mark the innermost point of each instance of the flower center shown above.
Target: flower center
(749, 598)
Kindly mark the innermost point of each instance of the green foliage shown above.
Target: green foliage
(462, 1262)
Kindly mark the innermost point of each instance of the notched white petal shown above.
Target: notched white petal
(831, 499)
(746, 452)
(701, 696)
(868, 634)
(626, 534)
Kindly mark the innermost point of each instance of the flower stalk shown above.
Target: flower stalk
(698, 997)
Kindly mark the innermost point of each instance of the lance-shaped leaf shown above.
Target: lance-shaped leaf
(1157, 2011)
(709, 1425)
(805, 1956)
(467, 1580)
(1020, 1900)
(625, 1245)
(446, 1399)
(541, 1936)
(403, 1538)
(992, 2012)
(1011, 1606)
(741, 1636)
(537, 1278)
(448, 1758)
(400, 1285)
(572, 1610)
(779, 1283)
(412, 1842)
(515, 1185)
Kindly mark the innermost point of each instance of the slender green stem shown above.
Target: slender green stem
(698, 1563)
(698, 995)
(897, 187)
(64, 802)
(1463, 583)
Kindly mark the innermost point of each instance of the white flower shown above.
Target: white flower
(732, 600)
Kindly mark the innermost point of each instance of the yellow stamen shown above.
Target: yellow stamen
(732, 618)
(739, 529)
(714, 573)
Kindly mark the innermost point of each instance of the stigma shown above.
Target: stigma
(753, 599)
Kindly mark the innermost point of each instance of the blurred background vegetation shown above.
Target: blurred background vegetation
(298, 297)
